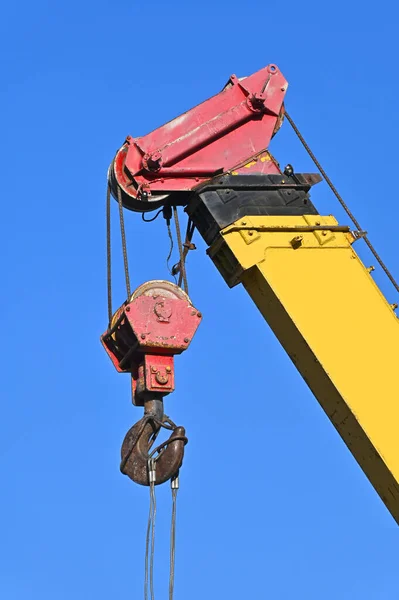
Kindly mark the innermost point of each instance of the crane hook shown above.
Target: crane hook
(136, 446)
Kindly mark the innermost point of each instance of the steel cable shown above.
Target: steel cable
(109, 272)
(175, 487)
(341, 201)
(123, 237)
(150, 536)
(154, 512)
(147, 547)
(187, 245)
(170, 249)
(180, 245)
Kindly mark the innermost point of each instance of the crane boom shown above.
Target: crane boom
(299, 267)
(334, 323)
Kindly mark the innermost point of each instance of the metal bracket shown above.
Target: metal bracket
(249, 235)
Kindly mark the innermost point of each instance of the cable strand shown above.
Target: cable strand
(109, 272)
(342, 202)
(170, 248)
(187, 245)
(154, 512)
(172, 545)
(147, 548)
(123, 237)
(180, 245)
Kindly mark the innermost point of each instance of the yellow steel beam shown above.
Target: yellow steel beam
(339, 330)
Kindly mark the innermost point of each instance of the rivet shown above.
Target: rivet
(186, 340)
(143, 336)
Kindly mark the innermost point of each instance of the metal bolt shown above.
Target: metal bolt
(250, 232)
(317, 222)
(324, 233)
(168, 370)
(127, 309)
(186, 340)
(297, 241)
(156, 156)
(243, 223)
(153, 369)
(193, 312)
(161, 379)
(199, 314)
(143, 336)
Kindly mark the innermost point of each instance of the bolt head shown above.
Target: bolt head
(186, 340)
(143, 336)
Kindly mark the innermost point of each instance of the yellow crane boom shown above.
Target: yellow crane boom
(333, 321)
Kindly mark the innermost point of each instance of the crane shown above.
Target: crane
(299, 267)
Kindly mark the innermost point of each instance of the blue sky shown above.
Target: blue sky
(287, 514)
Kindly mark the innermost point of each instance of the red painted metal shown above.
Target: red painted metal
(162, 325)
(223, 133)
(159, 373)
(147, 332)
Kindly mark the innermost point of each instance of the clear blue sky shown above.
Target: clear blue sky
(301, 521)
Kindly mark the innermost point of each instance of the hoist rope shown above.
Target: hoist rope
(175, 481)
(180, 245)
(187, 245)
(109, 272)
(341, 201)
(147, 549)
(123, 237)
(170, 248)
(150, 537)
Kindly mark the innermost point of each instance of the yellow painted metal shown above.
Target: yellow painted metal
(332, 319)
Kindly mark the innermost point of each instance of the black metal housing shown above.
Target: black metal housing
(225, 199)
